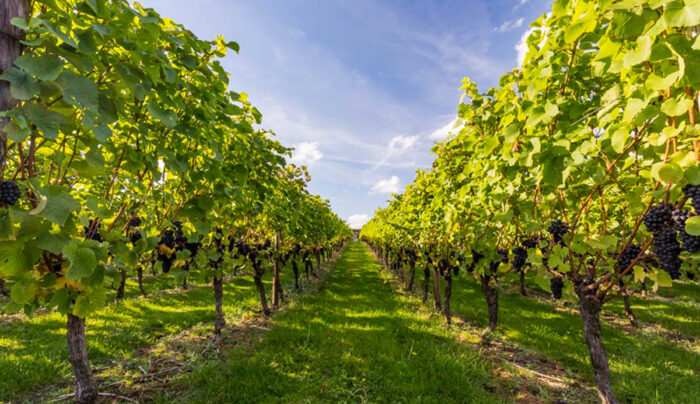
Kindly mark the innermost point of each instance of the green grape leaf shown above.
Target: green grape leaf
(49, 122)
(663, 279)
(670, 173)
(88, 303)
(678, 14)
(43, 67)
(168, 118)
(60, 204)
(24, 291)
(674, 107)
(692, 225)
(82, 261)
(78, 91)
(640, 54)
(23, 87)
(16, 133)
(692, 175)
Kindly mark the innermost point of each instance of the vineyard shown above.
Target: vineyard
(158, 244)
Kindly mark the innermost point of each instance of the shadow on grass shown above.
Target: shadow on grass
(33, 352)
(356, 341)
(645, 367)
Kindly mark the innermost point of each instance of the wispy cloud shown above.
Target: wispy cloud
(510, 25)
(306, 153)
(446, 130)
(390, 186)
(357, 221)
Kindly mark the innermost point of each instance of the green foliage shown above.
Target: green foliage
(127, 114)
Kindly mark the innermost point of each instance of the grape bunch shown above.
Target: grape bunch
(627, 256)
(658, 217)
(667, 250)
(135, 236)
(9, 193)
(166, 259)
(693, 192)
(689, 242)
(558, 229)
(519, 258)
(135, 221)
(92, 231)
(556, 284)
(502, 259)
(476, 257)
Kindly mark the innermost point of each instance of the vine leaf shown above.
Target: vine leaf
(78, 91)
(59, 204)
(692, 225)
(43, 67)
(82, 261)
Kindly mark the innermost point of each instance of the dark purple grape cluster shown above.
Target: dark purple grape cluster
(689, 242)
(166, 240)
(519, 258)
(135, 236)
(135, 221)
(658, 217)
(556, 284)
(627, 256)
(92, 231)
(9, 193)
(667, 250)
(558, 230)
(693, 192)
(476, 257)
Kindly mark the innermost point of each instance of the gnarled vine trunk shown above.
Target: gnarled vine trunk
(276, 284)
(295, 269)
(411, 275)
(590, 307)
(219, 321)
(628, 310)
(257, 277)
(436, 288)
(491, 294)
(184, 282)
(3, 288)
(139, 271)
(426, 282)
(522, 283)
(318, 263)
(448, 294)
(85, 384)
(122, 285)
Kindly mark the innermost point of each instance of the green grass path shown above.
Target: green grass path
(356, 341)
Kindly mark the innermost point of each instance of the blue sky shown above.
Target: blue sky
(361, 88)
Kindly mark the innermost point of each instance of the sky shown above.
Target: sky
(361, 89)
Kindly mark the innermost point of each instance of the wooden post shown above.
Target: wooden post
(10, 49)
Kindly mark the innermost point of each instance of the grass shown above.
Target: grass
(357, 341)
(646, 367)
(33, 352)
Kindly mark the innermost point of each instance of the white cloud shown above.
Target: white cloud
(445, 131)
(390, 186)
(521, 46)
(510, 25)
(306, 153)
(401, 143)
(357, 221)
(520, 4)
